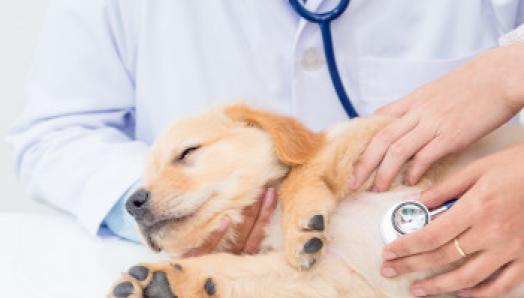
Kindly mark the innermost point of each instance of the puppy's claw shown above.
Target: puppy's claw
(123, 289)
(309, 262)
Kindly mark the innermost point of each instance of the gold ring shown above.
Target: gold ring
(458, 248)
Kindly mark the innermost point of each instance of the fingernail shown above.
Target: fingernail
(270, 197)
(389, 272)
(388, 255)
(411, 177)
(352, 182)
(413, 197)
(224, 223)
(464, 293)
(418, 292)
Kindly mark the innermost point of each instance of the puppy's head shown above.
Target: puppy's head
(210, 166)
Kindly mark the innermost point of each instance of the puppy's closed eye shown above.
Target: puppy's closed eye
(186, 153)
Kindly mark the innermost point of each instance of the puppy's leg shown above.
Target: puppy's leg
(307, 203)
(311, 192)
(221, 275)
(179, 278)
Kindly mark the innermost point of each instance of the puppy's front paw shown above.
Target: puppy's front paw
(162, 281)
(305, 237)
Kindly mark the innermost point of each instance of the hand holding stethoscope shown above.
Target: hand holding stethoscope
(485, 226)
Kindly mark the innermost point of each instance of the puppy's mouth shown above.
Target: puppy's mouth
(150, 230)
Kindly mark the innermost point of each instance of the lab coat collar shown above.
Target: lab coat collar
(311, 5)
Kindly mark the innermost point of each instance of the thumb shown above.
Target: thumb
(451, 187)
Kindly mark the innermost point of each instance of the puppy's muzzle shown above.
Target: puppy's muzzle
(138, 204)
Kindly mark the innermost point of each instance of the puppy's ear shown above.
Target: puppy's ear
(294, 143)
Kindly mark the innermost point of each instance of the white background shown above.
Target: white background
(20, 23)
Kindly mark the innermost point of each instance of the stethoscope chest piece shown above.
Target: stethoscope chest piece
(404, 218)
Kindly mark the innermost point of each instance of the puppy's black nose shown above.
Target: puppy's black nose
(137, 203)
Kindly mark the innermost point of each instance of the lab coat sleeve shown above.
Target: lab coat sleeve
(74, 143)
(520, 13)
(120, 222)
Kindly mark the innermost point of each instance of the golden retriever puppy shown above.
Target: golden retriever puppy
(323, 240)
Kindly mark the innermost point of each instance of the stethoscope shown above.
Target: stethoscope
(408, 217)
(405, 217)
(324, 21)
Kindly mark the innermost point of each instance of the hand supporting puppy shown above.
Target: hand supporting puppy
(445, 116)
(249, 234)
(488, 223)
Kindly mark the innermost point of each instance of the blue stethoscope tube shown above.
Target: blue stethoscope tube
(445, 207)
(324, 21)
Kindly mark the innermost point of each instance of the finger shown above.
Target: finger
(429, 154)
(243, 229)
(257, 234)
(507, 280)
(397, 155)
(443, 255)
(438, 232)
(396, 108)
(469, 274)
(212, 240)
(377, 147)
(452, 187)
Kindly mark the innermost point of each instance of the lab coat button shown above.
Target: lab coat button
(312, 59)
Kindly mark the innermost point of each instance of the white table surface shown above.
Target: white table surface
(51, 256)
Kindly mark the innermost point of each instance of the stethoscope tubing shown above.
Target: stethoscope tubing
(324, 22)
(329, 53)
(319, 18)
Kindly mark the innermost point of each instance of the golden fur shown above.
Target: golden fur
(239, 151)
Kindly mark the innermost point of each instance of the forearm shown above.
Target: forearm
(507, 61)
(503, 70)
(82, 171)
(515, 79)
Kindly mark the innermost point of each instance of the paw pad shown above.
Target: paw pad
(316, 223)
(209, 287)
(139, 272)
(313, 245)
(123, 289)
(159, 287)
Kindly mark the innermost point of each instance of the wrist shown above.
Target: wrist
(502, 73)
(514, 84)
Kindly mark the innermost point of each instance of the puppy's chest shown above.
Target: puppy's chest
(274, 234)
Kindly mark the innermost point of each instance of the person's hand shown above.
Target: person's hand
(487, 221)
(249, 234)
(444, 116)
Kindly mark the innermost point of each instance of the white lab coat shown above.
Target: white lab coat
(110, 74)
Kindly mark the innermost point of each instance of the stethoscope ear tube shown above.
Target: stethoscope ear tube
(329, 53)
(324, 21)
(318, 18)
